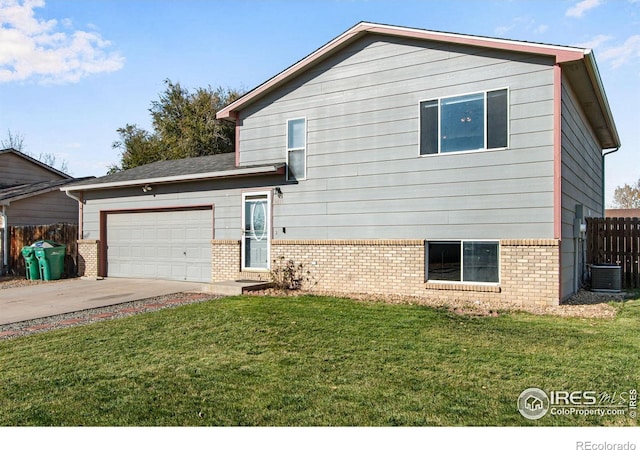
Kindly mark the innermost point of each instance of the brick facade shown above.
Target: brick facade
(225, 260)
(88, 257)
(529, 269)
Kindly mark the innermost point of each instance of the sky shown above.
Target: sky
(73, 72)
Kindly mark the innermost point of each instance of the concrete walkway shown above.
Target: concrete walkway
(48, 299)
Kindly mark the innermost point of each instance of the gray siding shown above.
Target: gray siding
(45, 209)
(582, 181)
(225, 196)
(16, 170)
(365, 178)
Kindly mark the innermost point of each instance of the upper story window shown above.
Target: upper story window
(296, 149)
(463, 123)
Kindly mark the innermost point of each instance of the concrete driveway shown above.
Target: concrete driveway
(49, 299)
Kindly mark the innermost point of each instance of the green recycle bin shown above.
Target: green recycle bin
(50, 259)
(31, 264)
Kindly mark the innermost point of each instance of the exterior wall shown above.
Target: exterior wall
(225, 260)
(582, 184)
(359, 221)
(15, 170)
(52, 207)
(529, 269)
(365, 178)
(224, 195)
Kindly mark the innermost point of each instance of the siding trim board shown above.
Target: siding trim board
(557, 151)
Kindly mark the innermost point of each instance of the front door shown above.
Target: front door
(256, 230)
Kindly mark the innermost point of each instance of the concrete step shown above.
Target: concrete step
(237, 287)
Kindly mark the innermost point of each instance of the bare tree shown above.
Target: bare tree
(627, 196)
(13, 140)
(16, 142)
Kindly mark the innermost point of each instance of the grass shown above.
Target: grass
(313, 361)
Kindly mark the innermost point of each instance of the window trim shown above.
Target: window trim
(486, 122)
(462, 283)
(289, 150)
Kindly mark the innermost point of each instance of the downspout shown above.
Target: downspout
(5, 240)
(80, 212)
(603, 193)
(80, 222)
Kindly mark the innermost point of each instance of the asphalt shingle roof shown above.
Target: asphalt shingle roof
(30, 189)
(172, 168)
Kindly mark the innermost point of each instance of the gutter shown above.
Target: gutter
(245, 171)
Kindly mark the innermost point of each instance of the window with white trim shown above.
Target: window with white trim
(463, 261)
(476, 121)
(296, 149)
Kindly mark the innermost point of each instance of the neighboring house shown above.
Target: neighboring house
(30, 195)
(622, 212)
(390, 160)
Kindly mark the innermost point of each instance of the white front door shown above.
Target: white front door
(256, 229)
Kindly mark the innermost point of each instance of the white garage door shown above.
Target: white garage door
(172, 245)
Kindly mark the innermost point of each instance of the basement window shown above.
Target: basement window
(463, 261)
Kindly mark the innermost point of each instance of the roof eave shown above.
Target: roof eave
(37, 162)
(241, 172)
(8, 201)
(594, 74)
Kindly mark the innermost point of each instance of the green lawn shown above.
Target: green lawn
(313, 361)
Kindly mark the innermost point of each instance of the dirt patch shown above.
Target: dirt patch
(583, 297)
(584, 304)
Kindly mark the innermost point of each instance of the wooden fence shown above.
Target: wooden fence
(62, 233)
(616, 240)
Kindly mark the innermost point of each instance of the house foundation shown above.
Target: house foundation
(529, 269)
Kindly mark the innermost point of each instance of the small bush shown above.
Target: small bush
(288, 275)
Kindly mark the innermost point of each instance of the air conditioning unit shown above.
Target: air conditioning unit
(606, 278)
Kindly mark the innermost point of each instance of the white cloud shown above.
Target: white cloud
(595, 42)
(37, 49)
(580, 8)
(523, 23)
(626, 53)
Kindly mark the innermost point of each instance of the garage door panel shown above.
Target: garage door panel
(172, 244)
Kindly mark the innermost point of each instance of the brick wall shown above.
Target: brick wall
(355, 266)
(88, 257)
(225, 260)
(529, 269)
